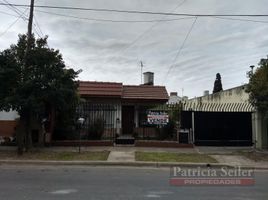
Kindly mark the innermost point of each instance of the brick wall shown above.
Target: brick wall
(7, 128)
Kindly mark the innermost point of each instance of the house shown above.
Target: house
(225, 118)
(110, 109)
(175, 99)
(7, 124)
(122, 109)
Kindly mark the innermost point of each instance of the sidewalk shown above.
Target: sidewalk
(125, 156)
(108, 148)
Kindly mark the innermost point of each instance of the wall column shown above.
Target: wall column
(193, 127)
(136, 116)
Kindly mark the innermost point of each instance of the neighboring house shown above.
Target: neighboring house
(225, 118)
(8, 123)
(122, 108)
(175, 99)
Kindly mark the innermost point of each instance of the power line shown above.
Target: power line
(110, 20)
(24, 17)
(163, 17)
(13, 23)
(36, 24)
(8, 14)
(148, 30)
(243, 20)
(139, 12)
(136, 21)
(143, 34)
(13, 8)
(151, 28)
(181, 47)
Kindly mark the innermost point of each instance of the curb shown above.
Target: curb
(124, 164)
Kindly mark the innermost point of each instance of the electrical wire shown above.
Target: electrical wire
(151, 28)
(38, 26)
(173, 10)
(13, 8)
(148, 30)
(109, 20)
(243, 20)
(13, 23)
(180, 48)
(138, 12)
(136, 21)
(24, 17)
(8, 14)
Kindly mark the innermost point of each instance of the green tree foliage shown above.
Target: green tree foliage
(37, 86)
(217, 84)
(258, 86)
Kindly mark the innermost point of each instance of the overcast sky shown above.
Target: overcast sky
(112, 51)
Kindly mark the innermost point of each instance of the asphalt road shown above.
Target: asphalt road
(85, 183)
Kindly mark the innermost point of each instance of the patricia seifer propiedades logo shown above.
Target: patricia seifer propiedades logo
(181, 176)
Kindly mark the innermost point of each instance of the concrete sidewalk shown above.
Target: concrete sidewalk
(121, 156)
(222, 150)
(196, 149)
(125, 156)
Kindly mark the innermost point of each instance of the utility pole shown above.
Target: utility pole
(24, 138)
(141, 70)
(29, 33)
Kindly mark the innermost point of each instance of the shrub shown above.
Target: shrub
(96, 129)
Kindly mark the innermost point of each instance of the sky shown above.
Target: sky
(112, 50)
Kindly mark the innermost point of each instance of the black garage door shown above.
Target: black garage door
(223, 129)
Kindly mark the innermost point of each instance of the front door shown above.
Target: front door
(127, 120)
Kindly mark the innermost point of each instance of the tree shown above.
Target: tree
(258, 86)
(36, 89)
(217, 84)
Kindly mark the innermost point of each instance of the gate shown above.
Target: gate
(159, 122)
(100, 120)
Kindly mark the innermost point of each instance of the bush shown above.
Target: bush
(167, 131)
(96, 129)
(67, 133)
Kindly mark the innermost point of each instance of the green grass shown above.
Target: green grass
(173, 157)
(62, 156)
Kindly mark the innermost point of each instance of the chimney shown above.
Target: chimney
(185, 98)
(173, 93)
(206, 92)
(148, 78)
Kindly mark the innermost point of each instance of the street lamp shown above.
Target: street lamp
(80, 122)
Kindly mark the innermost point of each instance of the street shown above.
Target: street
(73, 182)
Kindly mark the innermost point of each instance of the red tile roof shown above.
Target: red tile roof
(100, 89)
(118, 90)
(148, 92)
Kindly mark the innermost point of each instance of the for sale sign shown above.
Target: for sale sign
(158, 118)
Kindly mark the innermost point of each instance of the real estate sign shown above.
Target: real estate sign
(157, 117)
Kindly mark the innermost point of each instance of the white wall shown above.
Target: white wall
(8, 116)
(233, 95)
(239, 95)
(174, 99)
(259, 126)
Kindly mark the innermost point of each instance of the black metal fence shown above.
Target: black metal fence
(152, 122)
(101, 120)
(158, 122)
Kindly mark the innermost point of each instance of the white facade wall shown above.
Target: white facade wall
(239, 95)
(174, 99)
(8, 116)
(233, 95)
